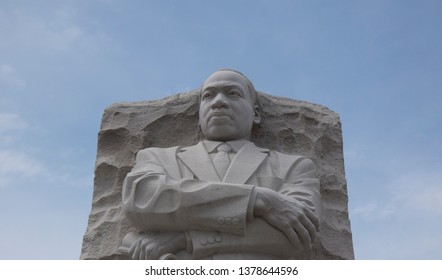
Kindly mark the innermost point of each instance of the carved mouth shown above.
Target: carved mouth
(219, 114)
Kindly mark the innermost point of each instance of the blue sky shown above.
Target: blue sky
(377, 63)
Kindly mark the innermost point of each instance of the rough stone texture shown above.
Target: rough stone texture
(289, 126)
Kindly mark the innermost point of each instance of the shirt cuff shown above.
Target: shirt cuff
(251, 206)
(189, 247)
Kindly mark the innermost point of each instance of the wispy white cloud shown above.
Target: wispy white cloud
(23, 162)
(10, 121)
(420, 193)
(18, 164)
(58, 30)
(354, 156)
(374, 211)
(404, 223)
(10, 124)
(414, 193)
(9, 77)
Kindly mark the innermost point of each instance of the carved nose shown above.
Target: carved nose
(219, 101)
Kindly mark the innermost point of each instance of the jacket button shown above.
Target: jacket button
(221, 220)
(203, 242)
(211, 240)
(235, 221)
(228, 221)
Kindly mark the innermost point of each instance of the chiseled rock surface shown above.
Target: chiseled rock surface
(289, 126)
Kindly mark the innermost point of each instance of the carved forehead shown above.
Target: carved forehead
(226, 77)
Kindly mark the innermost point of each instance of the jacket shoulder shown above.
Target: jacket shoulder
(160, 154)
(155, 153)
(287, 158)
(289, 162)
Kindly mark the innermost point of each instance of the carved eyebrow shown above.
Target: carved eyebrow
(232, 86)
(224, 87)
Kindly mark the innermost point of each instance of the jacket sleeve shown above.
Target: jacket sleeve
(298, 183)
(154, 201)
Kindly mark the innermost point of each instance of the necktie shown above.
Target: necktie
(221, 159)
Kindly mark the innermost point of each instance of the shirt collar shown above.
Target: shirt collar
(236, 145)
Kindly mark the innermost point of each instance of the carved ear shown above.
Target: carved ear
(257, 115)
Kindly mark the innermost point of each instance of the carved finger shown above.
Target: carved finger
(144, 252)
(311, 215)
(293, 237)
(142, 249)
(307, 202)
(132, 249)
(136, 251)
(302, 232)
(287, 229)
(148, 253)
(311, 228)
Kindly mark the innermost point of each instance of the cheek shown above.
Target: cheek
(202, 114)
(246, 113)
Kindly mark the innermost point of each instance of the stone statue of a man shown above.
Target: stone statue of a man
(224, 198)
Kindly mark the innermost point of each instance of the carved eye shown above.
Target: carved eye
(207, 95)
(234, 93)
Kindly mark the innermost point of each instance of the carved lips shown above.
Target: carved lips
(220, 115)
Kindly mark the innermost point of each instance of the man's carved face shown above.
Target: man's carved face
(226, 110)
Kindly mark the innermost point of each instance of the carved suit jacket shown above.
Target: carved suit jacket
(178, 189)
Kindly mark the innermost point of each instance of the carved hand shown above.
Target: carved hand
(296, 219)
(153, 246)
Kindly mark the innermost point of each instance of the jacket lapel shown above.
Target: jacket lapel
(247, 160)
(198, 161)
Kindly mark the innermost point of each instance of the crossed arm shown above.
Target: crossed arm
(181, 210)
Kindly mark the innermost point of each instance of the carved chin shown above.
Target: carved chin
(222, 132)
